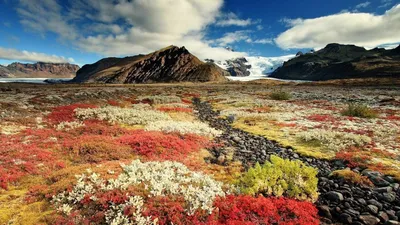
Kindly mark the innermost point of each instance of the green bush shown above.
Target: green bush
(281, 177)
(362, 111)
(280, 95)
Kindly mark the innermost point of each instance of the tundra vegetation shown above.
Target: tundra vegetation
(141, 155)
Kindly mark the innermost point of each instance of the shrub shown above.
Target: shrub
(115, 201)
(122, 115)
(198, 128)
(160, 146)
(96, 148)
(362, 111)
(175, 109)
(280, 95)
(333, 140)
(159, 99)
(250, 210)
(66, 113)
(281, 177)
(352, 177)
(18, 160)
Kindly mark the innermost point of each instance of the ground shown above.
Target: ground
(183, 153)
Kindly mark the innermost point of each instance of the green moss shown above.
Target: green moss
(272, 132)
(281, 177)
(352, 177)
(362, 111)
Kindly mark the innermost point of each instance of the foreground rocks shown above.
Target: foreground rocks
(339, 201)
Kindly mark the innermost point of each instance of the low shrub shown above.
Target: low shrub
(332, 140)
(18, 160)
(66, 113)
(127, 116)
(95, 149)
(280, 95)
(363, 111)
(352, 177)
(250, 210)
(281, 177)
(175, 109)
(183, 127)
(160, 99)
(160, 146)
(123, 200)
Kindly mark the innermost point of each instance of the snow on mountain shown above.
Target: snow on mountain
(261, 67)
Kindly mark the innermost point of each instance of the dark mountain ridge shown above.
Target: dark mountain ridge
(171, 64)
(337, 61)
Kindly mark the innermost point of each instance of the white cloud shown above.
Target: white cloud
(14, 54)
(263, 41)
(231, 19)
(363, 29)
(232, 37)
(146, 25)
(386, 3)
(363, 5)
(43, 16)
(291, 22)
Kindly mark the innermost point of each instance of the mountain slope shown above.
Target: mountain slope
(39, 70)
(337, 61)
(171, 64)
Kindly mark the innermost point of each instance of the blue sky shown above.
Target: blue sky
(84, 31)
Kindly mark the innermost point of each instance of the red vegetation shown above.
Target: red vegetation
(250, 210)
(171, 211)
(19, 159)
(160, 146)
(66, 113)
(321, 118)
(175, 109)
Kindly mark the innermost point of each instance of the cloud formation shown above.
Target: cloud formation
(363, 29)
(14, 54)
(231, 19)
(122, 27)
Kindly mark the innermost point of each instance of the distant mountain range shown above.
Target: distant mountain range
(337, 61)
(171, 64)
(39, 70)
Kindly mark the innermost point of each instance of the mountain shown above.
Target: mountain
(337, 61)
(171, 64)
(38, 70)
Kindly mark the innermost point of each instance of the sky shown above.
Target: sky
(84, 31)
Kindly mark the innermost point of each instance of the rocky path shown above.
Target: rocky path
(339, 201)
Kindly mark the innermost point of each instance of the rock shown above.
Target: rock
(383, 216)
(221, 159)
(383, 189)
(369, 220)
(324, 211)
(39, 69)
(361, 201)
(389, 197)
(391, 214)
(375, 203)
(345, 218)
(392, 222)
(373, 209)
(379, 181)
(334, 196)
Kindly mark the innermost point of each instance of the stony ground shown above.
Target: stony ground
(215, 135)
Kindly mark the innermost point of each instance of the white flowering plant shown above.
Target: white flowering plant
(123, 200)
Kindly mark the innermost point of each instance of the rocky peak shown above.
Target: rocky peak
(170, 64)
(40, 69)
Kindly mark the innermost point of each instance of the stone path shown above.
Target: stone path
(339, 201)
